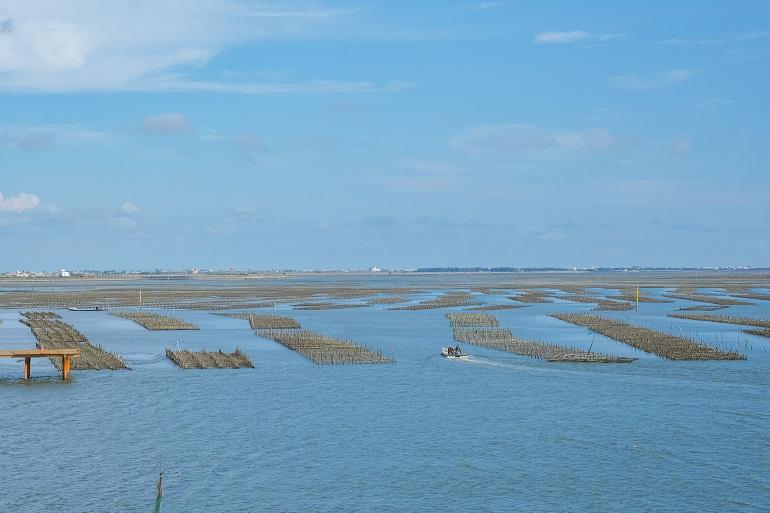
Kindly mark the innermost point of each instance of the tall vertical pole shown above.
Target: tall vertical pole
(158, 493)
(637, 297)
(27, 367)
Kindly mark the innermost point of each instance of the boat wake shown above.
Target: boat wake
(496, 361)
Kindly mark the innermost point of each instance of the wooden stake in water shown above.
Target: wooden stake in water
(158, 493)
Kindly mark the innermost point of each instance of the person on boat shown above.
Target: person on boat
(449, 350)
(458, 350)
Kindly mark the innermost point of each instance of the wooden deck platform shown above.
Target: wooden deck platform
(65, 354)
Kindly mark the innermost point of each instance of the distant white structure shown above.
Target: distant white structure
(375, 269)
(64, 273)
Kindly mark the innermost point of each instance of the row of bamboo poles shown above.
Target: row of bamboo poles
(484, 331)
(209, 360)
(327, 306)
(533, 296)
(649, 340)
(264, 321)
(52, 333)
(701, 308)
(753, 295)
(324, 350)
(187, 296)
(214, 305)
(708, 298)
(464, 319)
(601, 304)
(258, 295)
(446, 300)
(268, 322)
(385, 300)
(726, 319)
(155, 322)
(492, 308)
(630, 296)
(41, 316)
(316, 347)
(762, 324)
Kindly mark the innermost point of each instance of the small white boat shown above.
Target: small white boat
(85, 308)
(454, 352)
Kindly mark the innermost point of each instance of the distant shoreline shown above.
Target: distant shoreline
(276, 274)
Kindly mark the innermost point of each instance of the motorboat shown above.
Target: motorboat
(85, 308)
(454, 352)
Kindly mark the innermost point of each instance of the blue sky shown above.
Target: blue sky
(211, 133)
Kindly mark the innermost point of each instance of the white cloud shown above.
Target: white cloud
(561, 37)
(250, 211)
(168, 123)
(573, 36)
(643, 83)
(41, 46)
(54, 46)
(28, 138)
(36, 138)
(721, 39)
(532, 141)
(129, 209)
(19, 203)
(176, 84)
(493, 4)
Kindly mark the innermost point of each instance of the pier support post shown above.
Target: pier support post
(27, 367)
(66, 362)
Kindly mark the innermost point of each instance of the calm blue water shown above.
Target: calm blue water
(496, 433)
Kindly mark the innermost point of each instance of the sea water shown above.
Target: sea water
(497, 432)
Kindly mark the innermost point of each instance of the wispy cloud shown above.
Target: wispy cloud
(248, 145)
(655, 81)
(574, 36)
(28, 138)
(308, 87)
(492, 4)
(52, 46)
(506, 143)
(249, 212)
(534, 142)
(167, 123)
(731, 37)
(19, 203)
(43, 137)
(129, 209)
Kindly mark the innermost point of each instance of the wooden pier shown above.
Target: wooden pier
(66, 356)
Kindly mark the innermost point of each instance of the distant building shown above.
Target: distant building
(375, 269)
(64, 273)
